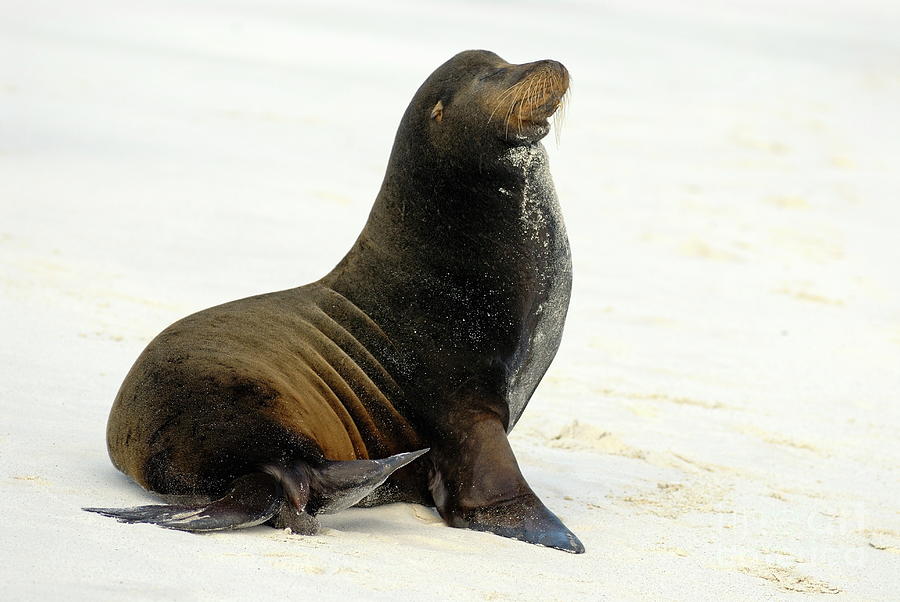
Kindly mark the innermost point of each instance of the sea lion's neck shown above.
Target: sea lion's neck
(491, 200)
(493, 229)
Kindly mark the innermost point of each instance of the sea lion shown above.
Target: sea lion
(432, 332)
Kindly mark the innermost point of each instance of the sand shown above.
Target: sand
(722, 420)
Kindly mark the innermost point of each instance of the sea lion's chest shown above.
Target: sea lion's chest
(546, 287)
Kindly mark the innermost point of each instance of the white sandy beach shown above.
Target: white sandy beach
(723, 418)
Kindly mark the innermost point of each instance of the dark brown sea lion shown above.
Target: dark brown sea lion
(433, 331)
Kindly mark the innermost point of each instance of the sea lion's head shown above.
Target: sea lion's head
(478, 102)
(478, 89)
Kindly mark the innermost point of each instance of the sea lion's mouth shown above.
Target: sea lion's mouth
(526, 105)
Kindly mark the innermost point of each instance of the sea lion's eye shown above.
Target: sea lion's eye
(437, 113)
(493, 73)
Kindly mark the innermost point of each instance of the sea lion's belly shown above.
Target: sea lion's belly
(297, 373)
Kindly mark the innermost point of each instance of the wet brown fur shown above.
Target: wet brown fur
(232, 380)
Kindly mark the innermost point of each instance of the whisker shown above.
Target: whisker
(502, 96)
(519, 87)
(559, 117)
(517, 106)
(521, 99)
(506, 93)
(526, 101)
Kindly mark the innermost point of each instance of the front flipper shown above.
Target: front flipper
(477, 485)
(252, 500)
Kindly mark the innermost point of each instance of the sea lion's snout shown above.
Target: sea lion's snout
(545, 85)
(535, 91)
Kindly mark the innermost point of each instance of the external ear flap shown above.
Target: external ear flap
(437, 113)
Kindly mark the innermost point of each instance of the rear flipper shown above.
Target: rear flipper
(252, 500)
(476, 484)
(285, 496)
(329, 487)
